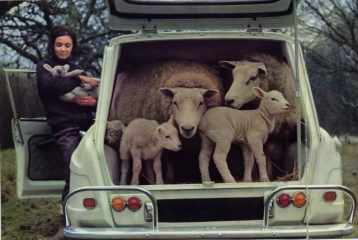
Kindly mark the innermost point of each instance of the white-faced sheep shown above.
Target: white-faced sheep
(268, 73)
(184, 83)
(145, 139)
(222, 126)
(262, 71)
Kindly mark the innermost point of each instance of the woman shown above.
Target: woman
(66, 119)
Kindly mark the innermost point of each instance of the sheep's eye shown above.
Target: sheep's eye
(167, 137)
(201, 103)
(247, 83)
(274, 99)
(175, 103)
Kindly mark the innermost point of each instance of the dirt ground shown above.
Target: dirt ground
(39, 218)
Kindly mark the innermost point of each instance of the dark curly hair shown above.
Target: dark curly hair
(59, 31)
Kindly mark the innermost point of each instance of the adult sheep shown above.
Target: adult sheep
(268, 73)
(139, 93)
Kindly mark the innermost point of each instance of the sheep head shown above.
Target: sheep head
(273, 101)
(168, 136)
(187, 107)
(246, 75)
(114, 131)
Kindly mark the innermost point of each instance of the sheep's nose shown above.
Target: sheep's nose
(229, 102)
(180, 146)
(187, 130)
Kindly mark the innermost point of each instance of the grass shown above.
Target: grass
(39, 218)
(24, 219)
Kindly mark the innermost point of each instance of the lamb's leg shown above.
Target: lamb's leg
(124, 171)
(137, 166)
(257, 149)
(249, 162)
(204, 157)
(220, 154)
(157, 166)
(124, 155)
(148, 172)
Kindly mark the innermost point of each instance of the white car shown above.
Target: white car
(315, 204)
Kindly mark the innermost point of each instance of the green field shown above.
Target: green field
(38, 219)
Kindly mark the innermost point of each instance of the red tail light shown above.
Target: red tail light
(134, 203)
(283, 200)
(330, 196)
(89, 203)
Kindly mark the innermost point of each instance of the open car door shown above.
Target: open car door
(38, 162)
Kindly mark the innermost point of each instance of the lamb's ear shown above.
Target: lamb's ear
(259, 92)
(227, 64)
(171, 120)
(261, 68)
(168, 92)
(47, 67)
(209, 93)
(160, 130)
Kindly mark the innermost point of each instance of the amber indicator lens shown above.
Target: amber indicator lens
(89, 203)
(118, 204)
(330, 196)
(299, 199)
(283, 200)
(134, 203)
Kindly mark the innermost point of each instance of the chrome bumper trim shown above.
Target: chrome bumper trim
(272, 232)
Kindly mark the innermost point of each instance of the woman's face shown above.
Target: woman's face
(63, 47)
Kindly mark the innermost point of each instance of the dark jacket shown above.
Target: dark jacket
(61, 114)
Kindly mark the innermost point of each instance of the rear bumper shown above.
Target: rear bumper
(333, 230)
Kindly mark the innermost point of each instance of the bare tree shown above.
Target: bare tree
(25, 28)
(331, 43)
(335, 21)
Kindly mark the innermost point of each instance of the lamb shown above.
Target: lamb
(145, 139)
(249, 128)
(183, 83)
(268, 73)
(82, 91)
(262, 71)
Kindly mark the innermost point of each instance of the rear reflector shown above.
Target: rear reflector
(118, 204)
(89, 203)
(283, 200)
(299, 199)
(134, 203)
(330, 196)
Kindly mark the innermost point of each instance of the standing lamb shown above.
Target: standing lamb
(145, 139)
(184, 83)
(222, 126)
(268, 73)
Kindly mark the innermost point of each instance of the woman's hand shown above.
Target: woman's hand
(85, 101)
(91, 81)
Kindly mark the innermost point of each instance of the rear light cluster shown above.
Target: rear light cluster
(299, 199)
(118, 203)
